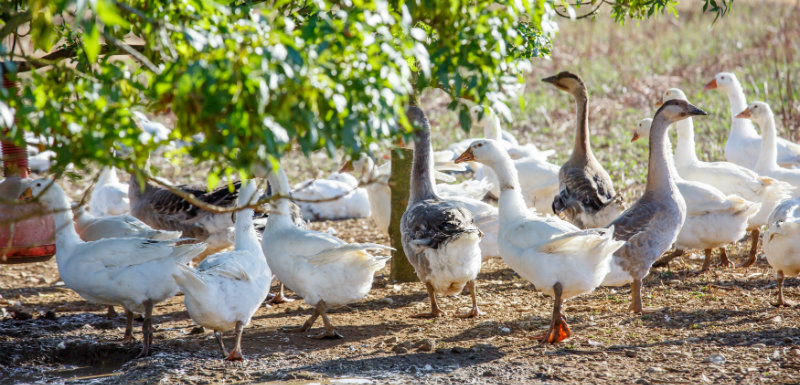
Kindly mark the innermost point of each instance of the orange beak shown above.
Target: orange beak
(744, 114)
(635, 136)
(466, 156)
(26, 195)
(348, 167)
(711, 85)
(659, 103)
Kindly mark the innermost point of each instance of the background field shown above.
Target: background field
(714, 328)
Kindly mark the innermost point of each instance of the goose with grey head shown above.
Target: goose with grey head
(713, 220)
(557, 257)
(586, 194)
(440, 237)
(376, 182)
(651, 225)
(744, 144)
(134, 273)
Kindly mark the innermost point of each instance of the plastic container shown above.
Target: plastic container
(31, 239)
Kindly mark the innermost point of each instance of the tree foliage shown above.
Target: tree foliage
(258, 77)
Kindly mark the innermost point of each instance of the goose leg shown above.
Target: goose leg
(111, 312)
(435, 310)
(330, 332)
(218, 336)
(559, 330)
(636, 298)
(473, 291)
(723, 258)
(279, 298)
(147, 328)
(781, 300)
(236, 353)
(305, 326)
(665, 260)
(128, 337)
(751, 258)
(706, 262)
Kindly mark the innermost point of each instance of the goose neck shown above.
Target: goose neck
(738, 102)
(245, 234)
(660, 168)
(491, 127)
(685, 150)
(511, 204)
(768, 156)
(422, 183)
(66, 235)
(582, 136)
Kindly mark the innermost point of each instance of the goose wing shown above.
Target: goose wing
(430, 223)
(592, 188)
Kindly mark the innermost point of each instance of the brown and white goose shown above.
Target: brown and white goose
(440, 237)
(652, 224)
(586, 195)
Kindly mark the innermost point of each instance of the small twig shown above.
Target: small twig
(590, 13)
(214, 209)
(136, 54)
(32, 63)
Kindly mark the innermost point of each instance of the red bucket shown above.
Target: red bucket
(22, 240)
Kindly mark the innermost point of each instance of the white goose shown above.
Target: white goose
(134, 273)
(486, 120)
(227, 288)
(557, 257)
(489, 122)
(538, 180)
(323, 269)
(728, 177)
(780, 243)
(110, 196)
(712, 219)
(337, 197)
(767, 164)
(743, 143)
(150, 129)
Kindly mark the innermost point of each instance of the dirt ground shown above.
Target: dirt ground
(716, 328)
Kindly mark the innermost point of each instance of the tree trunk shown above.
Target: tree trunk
(399, 183)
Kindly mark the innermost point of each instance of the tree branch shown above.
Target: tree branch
(65, 53)
(14, 22)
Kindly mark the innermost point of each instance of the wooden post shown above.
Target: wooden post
(399, 183)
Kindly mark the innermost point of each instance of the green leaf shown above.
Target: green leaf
(107, 12)
(91, 43)
(212, 180)
(464, 118)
